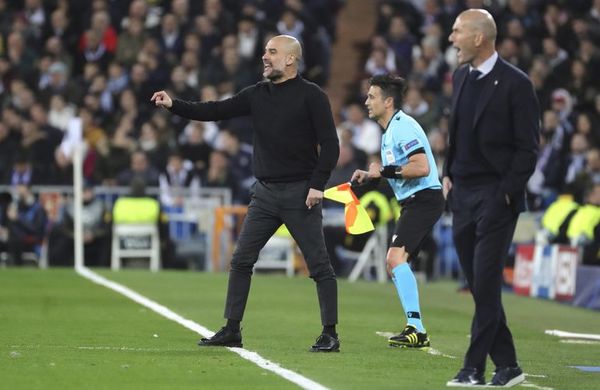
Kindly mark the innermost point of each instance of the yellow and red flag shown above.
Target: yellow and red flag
(357, 218)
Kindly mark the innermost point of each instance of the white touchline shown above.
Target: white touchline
(255, 358)
(562, 333)
(576, 341)
(532, 385)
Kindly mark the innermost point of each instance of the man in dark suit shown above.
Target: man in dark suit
(493, 147)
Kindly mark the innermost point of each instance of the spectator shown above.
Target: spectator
(438, 144)
(23, 171)
(345, 166)
(219, 174)
(562, 104)
(378, 64)
(360, 157)
(249, 39)
(19, 56)
(60, 27)
(179, 86)
(60, 84)
(209, 35)
(35, 143)
(117, 78)
(103, 32)
(138, 11)
(25, 227)
(435, 65)
(183, 13)
(590, 130)
(401, 40)
(590, 176)
(56, 50)
(8, 148)
(178, 176)
(149, 142)
(191, 67)
(194, 148)
(240, 163)
(129, 110)
(290, 24)
(139, 168)
(114, 154)
(230, 68)
(558, 60)
(94, 51)
(170, 39)
(39, 116)
(62, 169)
(139, 85)
(577, 158)
(96, 233)
(130, 41)
(366, 134)
(417, 107)
(219, 17)
(378, 42)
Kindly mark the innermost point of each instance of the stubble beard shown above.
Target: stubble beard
(275, 75)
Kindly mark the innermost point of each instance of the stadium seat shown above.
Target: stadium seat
(372, 255)
(278, 253)
(135, 241)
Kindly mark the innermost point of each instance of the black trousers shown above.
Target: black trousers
(483, 227)
(273, 204)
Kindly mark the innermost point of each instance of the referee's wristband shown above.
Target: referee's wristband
(391, 171)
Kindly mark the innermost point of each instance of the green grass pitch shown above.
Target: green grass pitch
(61, 331)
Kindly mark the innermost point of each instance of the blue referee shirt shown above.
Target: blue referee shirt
(402, 138)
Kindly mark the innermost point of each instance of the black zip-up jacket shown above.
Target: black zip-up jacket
(290, 119)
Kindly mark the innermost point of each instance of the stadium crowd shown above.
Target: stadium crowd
(101, 60)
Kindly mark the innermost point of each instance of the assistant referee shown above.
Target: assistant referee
(411, 171)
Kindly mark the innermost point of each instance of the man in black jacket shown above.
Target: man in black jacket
(494, 130)
(291, 119)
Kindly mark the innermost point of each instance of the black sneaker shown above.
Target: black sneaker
(507, 377)
(467, 377)
(409, 338)
(223, 338)
(326, 343)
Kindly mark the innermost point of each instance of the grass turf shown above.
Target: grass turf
(58, 330)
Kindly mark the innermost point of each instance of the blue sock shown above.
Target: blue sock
(406, 285)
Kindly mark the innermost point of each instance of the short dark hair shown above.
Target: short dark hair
(391, 86)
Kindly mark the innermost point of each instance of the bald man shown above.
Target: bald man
(295, 149)
(494, 128)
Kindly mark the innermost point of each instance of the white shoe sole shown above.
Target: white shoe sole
(514, 381)
(455, 384)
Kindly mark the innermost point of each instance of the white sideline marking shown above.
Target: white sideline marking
(570, 341)
(533, 385)
(255, 358)
(103, 348)
(429, 350)
(570, 335)
(85, 347)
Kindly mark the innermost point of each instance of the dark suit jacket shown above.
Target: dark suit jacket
(506, 123)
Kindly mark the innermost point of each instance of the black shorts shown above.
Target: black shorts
(418, 215)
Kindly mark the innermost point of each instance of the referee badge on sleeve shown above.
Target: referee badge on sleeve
(389, 157)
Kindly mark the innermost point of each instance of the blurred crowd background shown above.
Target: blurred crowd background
(101, 60)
